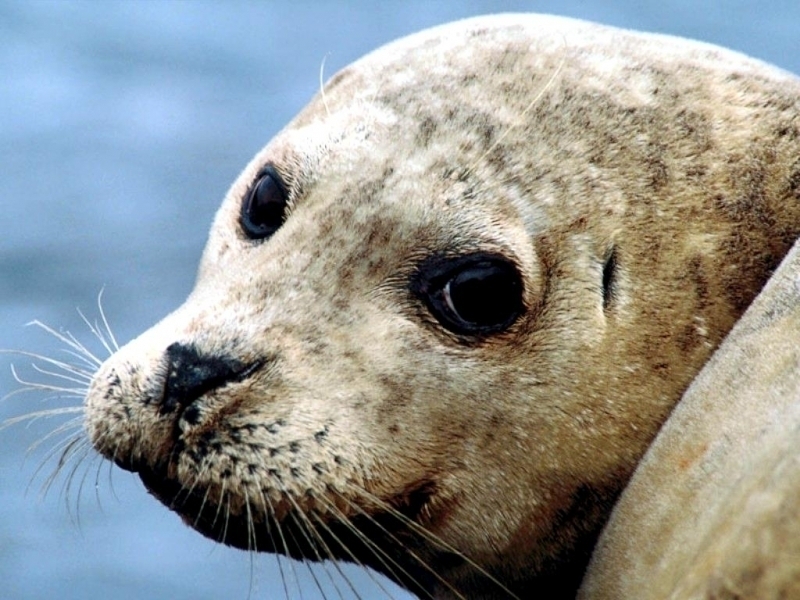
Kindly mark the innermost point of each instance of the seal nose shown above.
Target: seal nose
(191, 374)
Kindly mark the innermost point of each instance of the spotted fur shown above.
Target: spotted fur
(467, 467)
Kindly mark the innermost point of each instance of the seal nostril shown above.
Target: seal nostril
(191, 374)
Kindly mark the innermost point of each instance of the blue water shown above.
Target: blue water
(121, 125)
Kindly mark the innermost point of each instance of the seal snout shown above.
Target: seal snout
(191, 374)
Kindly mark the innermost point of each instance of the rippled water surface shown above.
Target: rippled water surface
(121, 126)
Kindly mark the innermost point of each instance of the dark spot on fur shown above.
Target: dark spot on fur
(689, 338)
(274, 451)
(337, 79)
(294, 447)
(427, 129)
(497, 420)
(318, 468)
(295, 472)
(699, 279)
(794, 180)
(657, 167)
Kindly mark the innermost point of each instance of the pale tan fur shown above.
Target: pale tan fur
(713, 511)
(555, 143)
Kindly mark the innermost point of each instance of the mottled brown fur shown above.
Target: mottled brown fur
(713, 510)
(554, 143)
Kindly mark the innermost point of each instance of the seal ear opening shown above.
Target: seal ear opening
(609, 277)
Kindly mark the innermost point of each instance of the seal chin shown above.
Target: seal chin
(389, 540)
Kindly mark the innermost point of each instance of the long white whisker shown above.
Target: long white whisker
(416, 527)
(378, 552)
(551, 80)
(81, 379)
(310, 528)
(41, 414)
(60, 430)
(344, 547)
(108, 333)
(68, 340)
(322, 84)
(268, 504)
(70, 369)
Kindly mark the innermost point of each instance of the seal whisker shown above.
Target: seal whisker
(44, 414)
(272, 519)
(334, 510)
(400, 544)
(548, 84)
(321, 523)
(103, 333)
(296, 544)
(434, 539)
(65, 450)
(307, 527)
(220, 504)
(227, 518)
(285, 551)
(322, 84)
(67, 488)
(74, 346)
(81, 379)
(307, 531)
(307, 563)
(381, 555)
(59, 390)
(187, 490)
(252, 544)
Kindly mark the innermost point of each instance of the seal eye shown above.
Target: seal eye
(471, 295)
(264, 208)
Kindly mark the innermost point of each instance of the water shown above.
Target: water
(121, 125)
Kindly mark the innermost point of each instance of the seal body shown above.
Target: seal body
(442, 314)
(713, 509)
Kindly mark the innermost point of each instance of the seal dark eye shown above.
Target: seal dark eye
(264, 207)
(471, 295)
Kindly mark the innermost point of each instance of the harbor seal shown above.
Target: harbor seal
(443, 313)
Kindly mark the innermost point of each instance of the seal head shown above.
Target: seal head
(442, 314)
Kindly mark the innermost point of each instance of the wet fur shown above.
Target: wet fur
(645, 196)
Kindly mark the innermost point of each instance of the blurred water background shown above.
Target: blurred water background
(121, 126)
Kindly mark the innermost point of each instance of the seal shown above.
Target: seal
(443, 313)
(716, 495)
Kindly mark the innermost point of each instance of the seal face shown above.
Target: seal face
(442, 314)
